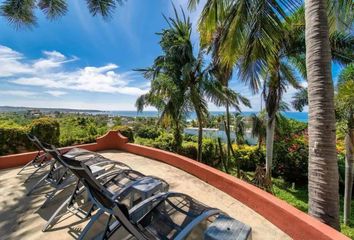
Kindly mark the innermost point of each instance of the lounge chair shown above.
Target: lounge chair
(128, 186)
(59, 175)
(42, 159)
(167, 215)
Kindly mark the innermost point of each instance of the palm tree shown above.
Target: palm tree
(240, 128)
(323, 168)
(21, 13)
(254, 44)
(179, 82)
(165, 96)
(258, 23)
(212, 43)
(345, 112)
(300, 100)
(258, 127)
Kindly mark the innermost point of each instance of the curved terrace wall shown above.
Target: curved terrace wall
(292, 221)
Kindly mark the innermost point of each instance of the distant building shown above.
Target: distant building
(34, 113)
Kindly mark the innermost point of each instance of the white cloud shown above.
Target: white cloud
(49, 72)
(56, 93)
(10, 63)
(17, 93)
(53, 59)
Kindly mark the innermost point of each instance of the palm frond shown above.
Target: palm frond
(300, 100)
(53, 8)
(19, 13)
(102, 7)
(340, 15)
(287, 73)
(342, 45)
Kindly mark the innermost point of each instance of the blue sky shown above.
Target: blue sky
(80, 61)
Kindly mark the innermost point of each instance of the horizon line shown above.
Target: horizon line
(127, 110)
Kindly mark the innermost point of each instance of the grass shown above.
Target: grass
(298, 197)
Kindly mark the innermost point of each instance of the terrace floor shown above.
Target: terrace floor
(21, 217)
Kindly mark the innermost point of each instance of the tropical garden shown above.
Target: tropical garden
(270, 46)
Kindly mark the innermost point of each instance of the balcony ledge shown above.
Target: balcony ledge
(293, 222)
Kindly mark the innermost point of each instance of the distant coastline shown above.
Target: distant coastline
(300, 116)
(68, 110)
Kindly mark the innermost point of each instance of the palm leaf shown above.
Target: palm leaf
(300, 100)
(53, 8)
(101, 7)
(19, 13)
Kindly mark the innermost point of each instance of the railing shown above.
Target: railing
(290, 220)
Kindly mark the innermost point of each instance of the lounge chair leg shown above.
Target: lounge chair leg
(37, 184)
(32, 174)
(52, 218)
(91, 209)
(29, 163)
(106, 229)
(89, 225)
(50, 197)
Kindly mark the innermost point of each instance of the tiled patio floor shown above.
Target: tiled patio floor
(21, 218)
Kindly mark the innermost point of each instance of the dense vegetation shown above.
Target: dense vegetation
(290, 168)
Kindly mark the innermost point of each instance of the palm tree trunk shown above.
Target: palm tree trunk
(260, 141)
(227, 131)
(177, 137)
(269, 146)
(200, 136)
(323, 166)
(349, 159)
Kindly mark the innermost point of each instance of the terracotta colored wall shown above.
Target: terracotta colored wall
(112, 140)
(295, 223)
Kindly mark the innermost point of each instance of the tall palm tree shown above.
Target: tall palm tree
(255, 44)
(259, 23)
(216, 16)
(185, 86)
(21, 13)
(323, 168)
(240, 128)
(258, 127)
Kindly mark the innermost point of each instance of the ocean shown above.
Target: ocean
(300, 116)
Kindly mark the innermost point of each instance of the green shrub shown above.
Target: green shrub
(147, 132)
(248, 156)
(189, 149)
(13, 139)
(290, 158)
(209, 151)
(46, 130)
(77, 129)
(190, 138)
(165, 141)
(144, 141)
(126, 132)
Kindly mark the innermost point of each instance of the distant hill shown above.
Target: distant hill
(65, 110)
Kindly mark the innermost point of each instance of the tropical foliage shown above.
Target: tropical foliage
(22, 13)
(180, 84)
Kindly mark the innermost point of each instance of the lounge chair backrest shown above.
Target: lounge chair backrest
(97, 191)
(35, 141)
